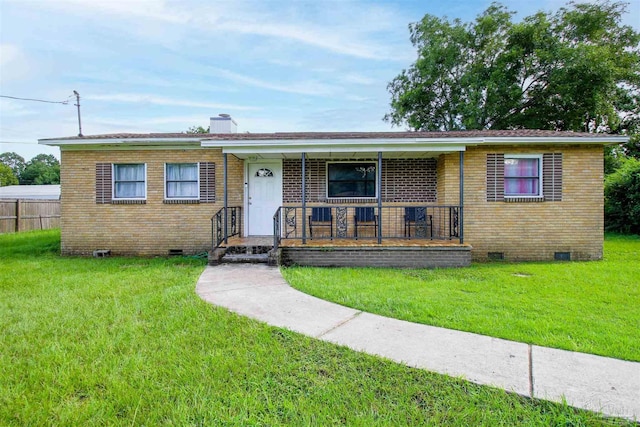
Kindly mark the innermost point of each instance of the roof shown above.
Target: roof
(333, 144)
(51, 192)
(517, 133)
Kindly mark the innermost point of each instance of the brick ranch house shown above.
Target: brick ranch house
(405, 199)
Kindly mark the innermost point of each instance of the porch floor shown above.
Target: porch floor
(344, 243)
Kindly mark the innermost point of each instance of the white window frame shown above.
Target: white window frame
(113, 181)
(375, 181)
(540, 184)
(197, 197)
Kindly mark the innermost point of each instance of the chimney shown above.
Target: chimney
(223, 124)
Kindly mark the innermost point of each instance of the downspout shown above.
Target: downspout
(461, 214)
(379, 185)
(226, 200)
(304, 199)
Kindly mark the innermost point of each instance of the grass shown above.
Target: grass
(590, 307)
(126, 342)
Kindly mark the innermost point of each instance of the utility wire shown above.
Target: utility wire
(65, 102)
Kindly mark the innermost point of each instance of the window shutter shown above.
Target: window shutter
(103, 183)
(495, 177)
(207, 182)
(552, 177)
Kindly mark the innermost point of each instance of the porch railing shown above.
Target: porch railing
(277, 228)
(234, 225)
(362, 222)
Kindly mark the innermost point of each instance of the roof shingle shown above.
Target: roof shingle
(518, 133)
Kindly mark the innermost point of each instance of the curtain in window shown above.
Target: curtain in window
(129, 181)
(521, 177)
(182, 180)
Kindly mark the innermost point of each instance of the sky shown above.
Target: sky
(165, 65)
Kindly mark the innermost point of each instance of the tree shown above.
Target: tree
(14, 161)
(7, 177)
(622, 198)
(197, 129)
(577, 69)
(42, 169)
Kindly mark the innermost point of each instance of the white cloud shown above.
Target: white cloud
(328, 40)
(134, 9)
(358, 79)
(137, 98)
(303, 88)
(11, 108)
(14, 63)
(336, 29)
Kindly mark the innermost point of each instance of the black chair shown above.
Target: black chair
(417, 218)
(365, 217)
(320, 218)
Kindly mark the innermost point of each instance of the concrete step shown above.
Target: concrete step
(250, 249)
(245, 258)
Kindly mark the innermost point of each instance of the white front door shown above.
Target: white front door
(264, 196)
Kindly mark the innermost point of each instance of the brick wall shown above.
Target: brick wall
(403, 181)
(530, 230)
(397, 257)
(142, 229)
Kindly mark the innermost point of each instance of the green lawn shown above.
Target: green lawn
(127, 342)
(591, 307)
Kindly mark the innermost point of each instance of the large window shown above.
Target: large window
(181, 180)
(522, 176)
(351, 179)
(129, 181)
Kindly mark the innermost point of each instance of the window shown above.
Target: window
(181, 181)
(351, 179)
(264, 173)
(522, 176)
(129, 181)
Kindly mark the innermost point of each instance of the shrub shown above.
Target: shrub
(622, 198)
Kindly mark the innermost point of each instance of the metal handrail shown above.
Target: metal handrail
(234, 225)
(277, 227)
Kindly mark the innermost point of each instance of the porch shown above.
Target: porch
(341, 202)
(349, 236)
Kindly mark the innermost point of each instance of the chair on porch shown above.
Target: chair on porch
(365, 217)
(320, 218)
(417, 218)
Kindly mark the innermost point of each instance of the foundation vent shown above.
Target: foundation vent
(495, 256)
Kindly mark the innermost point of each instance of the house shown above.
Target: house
(410, 199)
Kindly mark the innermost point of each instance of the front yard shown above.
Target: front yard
(590, 307)
(126, 341)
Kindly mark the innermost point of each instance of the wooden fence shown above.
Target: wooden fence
(28, 214)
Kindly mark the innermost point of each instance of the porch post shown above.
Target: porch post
(461, 213)
(304, 199)
(226, 200)
(379, 186)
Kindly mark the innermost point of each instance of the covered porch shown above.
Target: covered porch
(390, 214)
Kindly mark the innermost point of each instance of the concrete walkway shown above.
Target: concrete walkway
(610, 386)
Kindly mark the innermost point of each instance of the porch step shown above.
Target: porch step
(250, 254)
(245, 258)
(248, 249)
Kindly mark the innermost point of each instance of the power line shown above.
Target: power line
(65, 102)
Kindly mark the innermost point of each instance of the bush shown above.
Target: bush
(622, 198)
